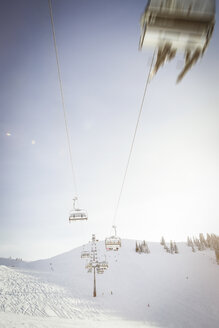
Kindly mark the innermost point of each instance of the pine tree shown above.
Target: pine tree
(171, 247)
(198, 244)
(214, 241)
(140, 248)
(175, 248)
(136, 247)
(189, 241)
(143, 247)
(167, 249)
(148, 250)
(217, 255)
(208, 240)
(162, 241)
(193, 247)
(202, 241)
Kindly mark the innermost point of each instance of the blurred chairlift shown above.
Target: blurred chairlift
(177, 25)
(77, 214)
(103, 265)
(85, 254)
(100, 270)
(113, 243)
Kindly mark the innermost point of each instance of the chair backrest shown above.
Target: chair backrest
(193, 7)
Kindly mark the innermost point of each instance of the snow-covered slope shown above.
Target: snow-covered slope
(138, 290)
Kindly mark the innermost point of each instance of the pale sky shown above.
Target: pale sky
(172, 185)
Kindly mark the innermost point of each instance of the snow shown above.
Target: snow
(138, 290)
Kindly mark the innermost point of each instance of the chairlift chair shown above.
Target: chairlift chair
(103, 265)
(88, 266)
(85, 255)
(177, 25)
(100, 270)
(77, 214)
(113, 243)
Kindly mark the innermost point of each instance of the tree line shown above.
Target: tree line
(201, 243)
(142, 247)
(172, 248)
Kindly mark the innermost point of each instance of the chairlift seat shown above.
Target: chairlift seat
(89, 266)
(186, 24)
(78, 214)
(113, 243)
(177, 25)
(103, 265)
(85, 254)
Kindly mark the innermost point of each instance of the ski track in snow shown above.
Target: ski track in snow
(25, 294)
(182, 290)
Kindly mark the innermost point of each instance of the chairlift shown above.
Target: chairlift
(103, 265)
(77, 214)
(89, 266)
(177, 25)
(113, 243)
(100, 270)
(85, 255)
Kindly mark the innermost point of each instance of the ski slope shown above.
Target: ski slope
(138, 290)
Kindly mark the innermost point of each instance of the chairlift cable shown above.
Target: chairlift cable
(133, 141)
(62, 98)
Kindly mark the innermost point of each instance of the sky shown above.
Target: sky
(172, 185)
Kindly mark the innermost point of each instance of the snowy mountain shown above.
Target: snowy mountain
(158, 289)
